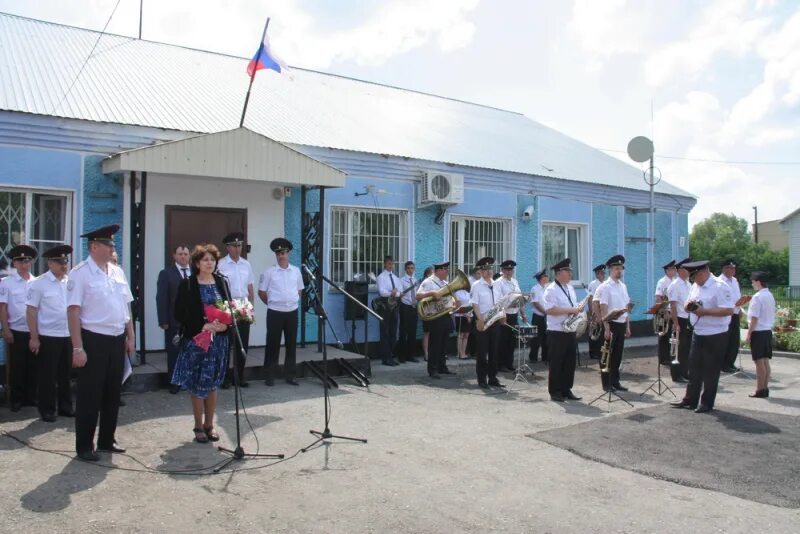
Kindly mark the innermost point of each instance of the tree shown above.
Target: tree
(722, 236)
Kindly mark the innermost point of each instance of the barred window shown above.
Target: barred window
(473, 238)
(362, 237)
(561, 241)
(40, 219)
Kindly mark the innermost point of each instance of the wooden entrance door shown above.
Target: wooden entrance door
(193, 225)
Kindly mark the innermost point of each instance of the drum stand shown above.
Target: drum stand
(522, 367)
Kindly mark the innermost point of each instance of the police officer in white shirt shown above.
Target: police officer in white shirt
(100, 326)
(506, 342)
(389, 288)
(614, 296)
(761, 319)
(13, 292)
(50, 342)
(439, 328)
(732, 350)
(661, 296)
(407, 342)
(594, 308)
(539, 316)
(280, 288)
(241, 281)
(677, 294)
(474, 276)
(484, 295)
(560, 303)
(710, 305)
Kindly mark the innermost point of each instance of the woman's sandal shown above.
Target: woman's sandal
(200, 435)
(211, 434)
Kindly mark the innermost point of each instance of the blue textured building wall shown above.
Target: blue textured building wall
(664, 242)
(102, 198)
(527, 243)
(604, 233)
(683, 231)
(636, 262)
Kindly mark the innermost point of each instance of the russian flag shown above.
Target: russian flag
(265, 58)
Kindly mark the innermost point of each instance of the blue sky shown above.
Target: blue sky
(722, 77)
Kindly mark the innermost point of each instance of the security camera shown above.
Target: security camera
(527, 214)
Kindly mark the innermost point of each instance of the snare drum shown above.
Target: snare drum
(527, 331)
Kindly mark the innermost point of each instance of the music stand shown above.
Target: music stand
(238, 453)
(522, 365)
(322, 316)
(659, 387)
(609, 393)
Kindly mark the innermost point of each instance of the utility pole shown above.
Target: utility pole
(755, 226)
(141, 6)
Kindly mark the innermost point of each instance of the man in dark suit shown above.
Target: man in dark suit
(166, 290)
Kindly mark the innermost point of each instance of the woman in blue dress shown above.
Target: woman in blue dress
(196, 370)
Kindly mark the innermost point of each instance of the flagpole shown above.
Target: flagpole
(252, 77)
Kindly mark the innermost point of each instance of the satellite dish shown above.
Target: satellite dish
(640, 149)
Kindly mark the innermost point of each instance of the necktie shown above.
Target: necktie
(183, 272)
(391, 279)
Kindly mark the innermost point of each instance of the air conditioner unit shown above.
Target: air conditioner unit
(441, 188)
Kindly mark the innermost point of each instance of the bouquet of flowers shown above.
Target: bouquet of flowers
(220, 312)
(243, 310)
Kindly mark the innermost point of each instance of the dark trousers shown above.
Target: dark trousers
(561, 351)
(98, 392)
(732, 346)
(611, 378)
(23, 370)
(486, 353)
(438, 333)
(684, 344)
(506, 342)
(664, 346)
(595, 345)
(407, 343)
(172, 350)
(388, 335)
(472, 343)
(540, 322)
(238, 357)
(281, 323)
(54, 361)
(705, 362)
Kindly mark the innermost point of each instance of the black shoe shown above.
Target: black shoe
(619, 387)
(115, 447)
(174, 389)
(680, 380)
(759, 394)
(388, 363)
(49, 418)
(89, 456)
(702, 409)
(244, 384)
(571, 396)
(483, 385)
(730, 369)
(16, 406)
(226, 384)
(292, 382)
(269, 382)
(122, 402)
(557, 398)
(496, 383)
(67, 412)
(435, 376)
(683, 403)
(412, 360)
(446, 371)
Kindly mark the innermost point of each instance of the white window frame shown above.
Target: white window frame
(508, 241)
(67, 194)
(403, 246)
(583, 248)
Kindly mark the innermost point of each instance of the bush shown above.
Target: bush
(787, 341)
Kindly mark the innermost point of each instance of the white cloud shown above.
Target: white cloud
(606, 28)
(767, 136)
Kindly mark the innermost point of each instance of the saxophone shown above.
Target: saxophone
(498, 311)
(577, 322)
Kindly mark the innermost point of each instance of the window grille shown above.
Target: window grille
(473, 238)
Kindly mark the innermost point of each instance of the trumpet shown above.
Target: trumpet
(674, 343)
(605, 354)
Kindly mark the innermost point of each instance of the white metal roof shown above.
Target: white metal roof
(129, 81)
(235, 154)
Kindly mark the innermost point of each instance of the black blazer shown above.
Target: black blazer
(188, 306)
(166, 291)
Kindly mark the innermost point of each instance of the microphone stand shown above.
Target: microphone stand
(322, 316)
(237, 453)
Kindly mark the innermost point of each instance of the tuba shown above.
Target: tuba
(661, 320)
(443, 303)
(498, 311)
(577, 323)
